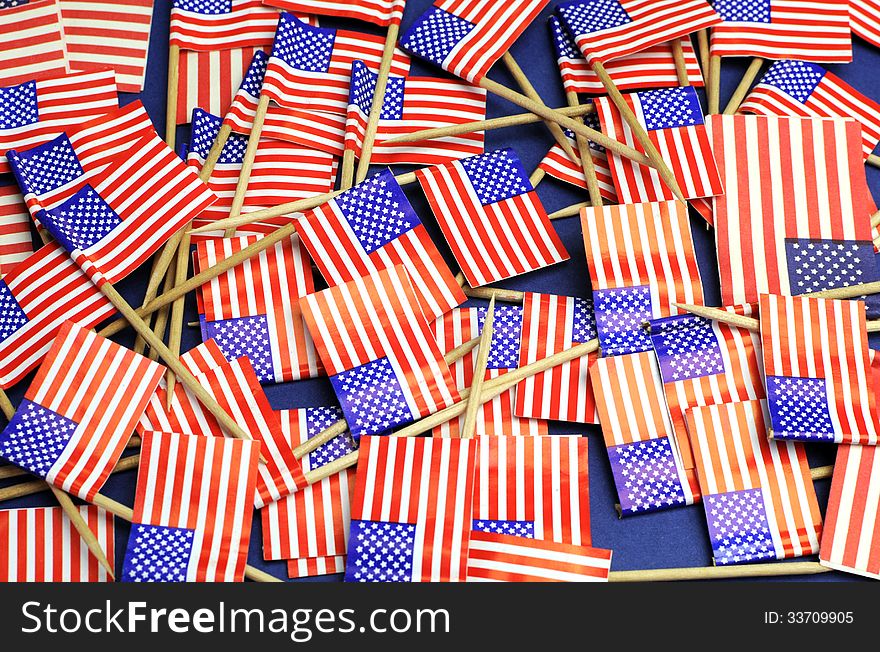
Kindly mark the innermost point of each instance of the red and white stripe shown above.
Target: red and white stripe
(31, 42)
(559, 166)
(40, 544)
(315, 566)
(210, 79)
(114, 34)
(249, 22)
(203, 484)
(16, 244)
(864, 18)
(508, 558)
(318, 129)
(378, 12)
(423, 481)
(562, 393)
(798, 29)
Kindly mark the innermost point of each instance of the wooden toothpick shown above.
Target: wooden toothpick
(873, 160)
(772, 569)
(569, 211)
(681, 71)
(713, 84)
(745, 84)
(250, 153)
(475, 399)
(171, 100)
(586, 158)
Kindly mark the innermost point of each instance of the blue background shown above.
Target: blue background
(674, 538)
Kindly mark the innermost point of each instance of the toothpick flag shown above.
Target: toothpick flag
(864, 21)
(15, 229)
(192, 509)
(559, 166)
(758, 495)
(378, 12)
(40, 544)
(491, 217)
(209, 79)
(80, 411)
(221, 24)
(31, 41)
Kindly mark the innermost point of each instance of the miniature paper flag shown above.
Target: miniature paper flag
(494, 417)
(383, 361)
(253, 308)
(652, 465)
(315, 566)
(36, 297)
(864, 21)
(410, 104)
(40, 544)
(80, 411)
(758, 494)
(312, 523)
(114, 34)
(610, 29)
(783, 29)
(509, 558)
(412, 510)
(16, 244)
(491, 217)
(209, 79)
(373, 227)
(192, 509)
(467, 37)
(559, 166)
(37, 110)
(650, 68)
(674, 123)
(795, 206)
(378, 12)
(642, 261)
(31, 41)
(551, 324)
(221, 24)
(817, 369)
(799, 88)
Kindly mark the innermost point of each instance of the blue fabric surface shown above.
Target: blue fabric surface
(667, 539)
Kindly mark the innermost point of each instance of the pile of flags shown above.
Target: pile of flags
(430, 458)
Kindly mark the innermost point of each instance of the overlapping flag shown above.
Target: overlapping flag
(560, 166)
(378, 12)
(221, 24)
(31, 41)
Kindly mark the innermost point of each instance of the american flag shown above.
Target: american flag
(31, 41)
(315, 566)
(36, 111)
(411, 512)
(673, 121)
(312, 523)
(410, 104)
(652, 465)
(310, 67)
(16, 244)
(642, 261)
(864, 18)
(40, 544)
(509, 558)
(192, 509)
(553, 323)
(378, 12)
(36, 297)
(817, 370)
(799, 88)
(234, 385)
(114, 34)
(221, 24)
(653, 67)
(559, 166)
(850, 539)
(795, 205)
(467, 37)
(383, 361)
(495, 417)
(253, 309)
(491, 216)
(758, 494)
(209, 79)
(783, 29)
(372, 227)
(610, 29)
(79, 412)
(533, 487)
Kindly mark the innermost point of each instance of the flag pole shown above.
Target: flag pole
(586, 158)
(157, 274)
(537, 176)
(745, 84)
(161, 322)
(247, 163)
(773, 569)
(713, 84)
(681, 71)
(171, 102)
(569, 211)
(475, 399)
(873, 160)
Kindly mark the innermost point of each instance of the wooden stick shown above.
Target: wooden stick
(873, 160)
(529, 90)
(171, 102)
(247, 163)
(537, 177)
(821, 472)
(745, 84)
(378, 101)
(569, 211)
(703, 48)
(488, 125)
(474, 400)
(346, 172)
(681, 71)
(23, 489)
(163, 314)
(773, 569)
(157, 274)
(875, 219)
(741, 321)
(6, 405)
(499, 294)
(586, 158)
(713, 92)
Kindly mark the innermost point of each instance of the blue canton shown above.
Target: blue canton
(738, 527)
(797, 79)
(245, 336)
(205, 127)
(743, 11)
(687, 347)
(799, 408)
(620, 314)
(35, 437)
(590, 16)
(18, 105)
(496, 176)
(566, 48)
(206, 7)
(363, 88)
(319, 419)
(82, 220)
(157, 553)
(380, 552)
(646, 476)
(506, 335)
(302, 46)
(12, 317)
(46, 167)
(825, 264)
(252, 84)
(669, 108)
(372, 398)
(583, 327)
(8, 4)
(377, 211)
(435, 34)
(524, 529)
